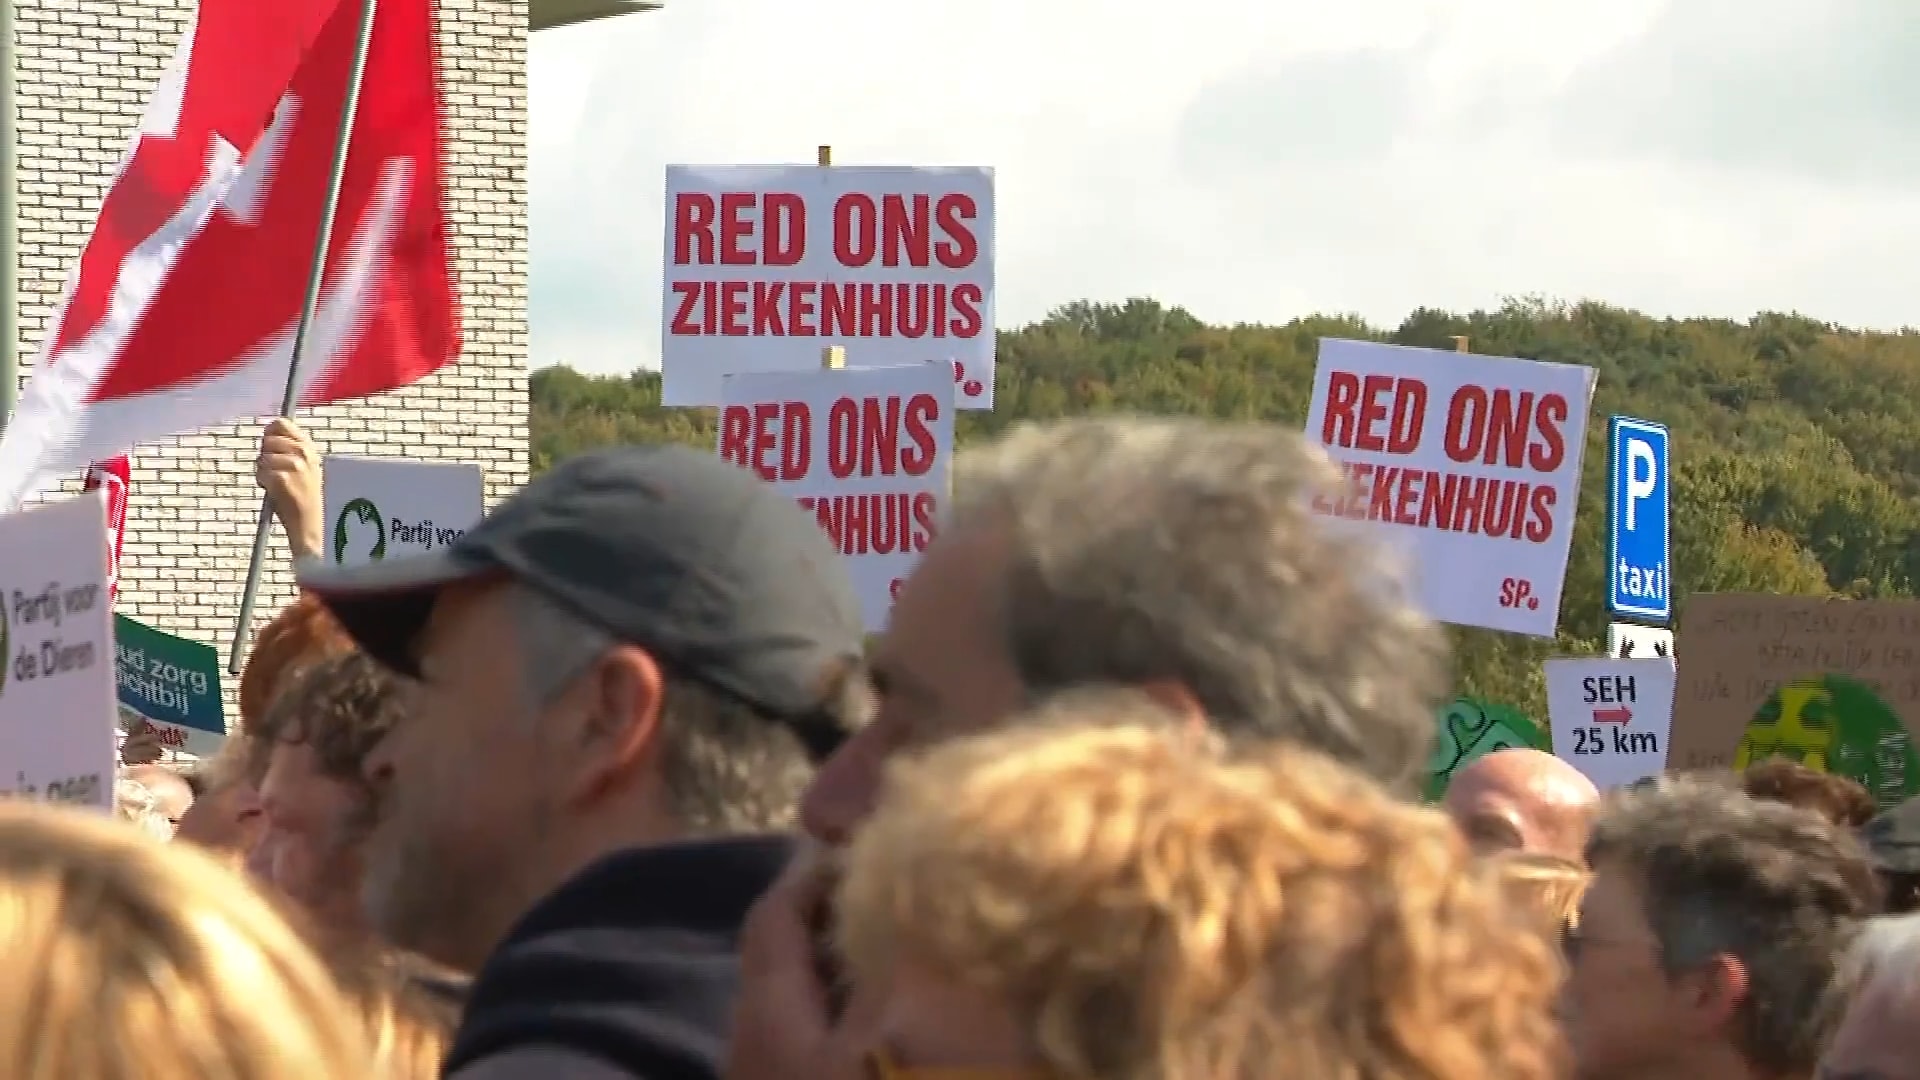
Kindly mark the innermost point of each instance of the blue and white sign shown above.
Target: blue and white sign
(1639, 540)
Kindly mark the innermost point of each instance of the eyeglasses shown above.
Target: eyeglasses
(1574, 941)
(881, 1065)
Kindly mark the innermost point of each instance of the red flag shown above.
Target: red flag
(183, 308)
(115, 477)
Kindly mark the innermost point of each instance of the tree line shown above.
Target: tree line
(1796, 443)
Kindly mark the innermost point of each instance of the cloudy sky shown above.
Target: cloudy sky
(1255, 160)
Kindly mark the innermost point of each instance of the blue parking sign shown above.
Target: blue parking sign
(1639, 540)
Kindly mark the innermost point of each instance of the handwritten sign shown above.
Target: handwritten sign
(1832, 683)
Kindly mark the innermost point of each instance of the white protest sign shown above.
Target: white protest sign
(57, 712)
(866, 451)
(389, 508)
(1468, 465)
(767, 265)
(1611, 717)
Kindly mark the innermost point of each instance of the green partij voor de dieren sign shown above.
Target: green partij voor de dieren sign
(1470, 728)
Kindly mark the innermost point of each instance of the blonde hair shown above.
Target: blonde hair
(134, 959)
(135, 803)
(410, 1007)
(1548, 886)
(1152, 905)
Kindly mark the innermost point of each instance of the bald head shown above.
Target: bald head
(1523, 800)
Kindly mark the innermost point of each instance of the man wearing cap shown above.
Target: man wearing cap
(1893, 840)
(626, 668)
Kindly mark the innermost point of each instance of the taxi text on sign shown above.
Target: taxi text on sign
(1639, 540)
(1468, 466)
(767, 265)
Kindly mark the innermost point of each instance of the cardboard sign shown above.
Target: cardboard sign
(169, 686)
(389, 508)
(1834, 684)
(867, 452)
(1612, 718)
(56, 686)
(1468, 465)
(767, 265)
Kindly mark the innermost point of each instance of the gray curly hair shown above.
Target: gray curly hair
(1187, 551)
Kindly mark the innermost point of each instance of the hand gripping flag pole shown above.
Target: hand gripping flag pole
(242, 627)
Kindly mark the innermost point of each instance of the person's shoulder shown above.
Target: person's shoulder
(633, 963)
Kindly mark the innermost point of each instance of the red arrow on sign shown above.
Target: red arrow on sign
(1618, 715)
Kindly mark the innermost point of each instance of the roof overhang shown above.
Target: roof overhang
(548, 14)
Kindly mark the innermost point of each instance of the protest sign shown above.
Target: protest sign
(867, 452)
(1470, 729)
(389, 508)
(1833, 684)
(1468, 465)
(169, 686)
(767, 265)
(1612, 718)
(56, 686)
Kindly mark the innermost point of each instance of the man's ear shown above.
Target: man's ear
(1714, 992)
(624, 691)
(1177, 699)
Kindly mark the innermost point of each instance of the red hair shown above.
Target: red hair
(303, 633)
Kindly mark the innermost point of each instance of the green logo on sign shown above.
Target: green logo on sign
(1470, 729)
(1839, 725)
(367, 514)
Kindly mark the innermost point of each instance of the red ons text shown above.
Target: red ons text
(770, 229)
(1499, 427)
(869, 436)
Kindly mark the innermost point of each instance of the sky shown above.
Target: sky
(1259, 160)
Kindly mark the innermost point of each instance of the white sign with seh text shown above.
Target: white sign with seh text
(1611, 717)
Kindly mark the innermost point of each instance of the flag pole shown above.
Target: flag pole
(315, 276)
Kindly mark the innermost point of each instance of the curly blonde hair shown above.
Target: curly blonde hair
(1152, 904)
(132, 959)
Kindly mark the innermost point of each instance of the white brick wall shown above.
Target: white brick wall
(86, 69)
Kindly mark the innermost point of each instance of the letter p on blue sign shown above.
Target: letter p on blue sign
(1639, 542)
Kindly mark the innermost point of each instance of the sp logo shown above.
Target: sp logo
(363, 513)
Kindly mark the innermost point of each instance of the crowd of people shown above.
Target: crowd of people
(615, 786)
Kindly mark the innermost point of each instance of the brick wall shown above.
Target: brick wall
(86, 68)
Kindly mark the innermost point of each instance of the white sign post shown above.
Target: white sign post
(389, 508)
(1469, 465)
(767, 265)
(867, 451)
(57, 709)
(1611, 717)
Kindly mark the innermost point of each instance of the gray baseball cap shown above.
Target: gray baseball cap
(720, 576)
(1893, 838)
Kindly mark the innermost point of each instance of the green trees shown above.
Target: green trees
(1796, 443)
